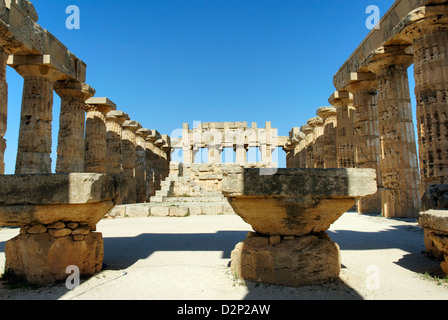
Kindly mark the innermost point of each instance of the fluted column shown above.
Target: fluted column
(114, 122)
(307, 151)
(367, 146)
(3, 107)
(130, 127)
(343, 102)
(71, 145)
(140, 164)
(96, 134)
(398, 157)
(34, 146)
(329, 117)
(429, 36)
(318, 147)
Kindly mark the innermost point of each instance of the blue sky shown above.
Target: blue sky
(166, 62)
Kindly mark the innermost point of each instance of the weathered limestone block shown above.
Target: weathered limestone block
(295, 201)
(435, 198)
(301, 261)
(298, 205)
(43, 259)
(57, 214)
(96, 134)
(435, 226)
(71, 145)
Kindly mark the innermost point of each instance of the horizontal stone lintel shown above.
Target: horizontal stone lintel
(23, 36)
(397, 18)
(52, 189)
(299, 183)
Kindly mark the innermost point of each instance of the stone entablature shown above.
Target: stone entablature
(215, 136)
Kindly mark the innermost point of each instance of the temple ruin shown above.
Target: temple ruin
(110, 165)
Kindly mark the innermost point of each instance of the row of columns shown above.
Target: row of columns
(215, 137)
(93, 136)
(375, 122)
(314, 144)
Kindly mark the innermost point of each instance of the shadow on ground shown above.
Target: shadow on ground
(123, 252)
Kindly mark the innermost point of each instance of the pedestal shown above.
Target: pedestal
(290, 212)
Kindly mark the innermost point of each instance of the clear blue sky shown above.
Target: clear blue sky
(166, 62)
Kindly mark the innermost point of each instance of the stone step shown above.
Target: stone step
(171, 210)
(169, 199)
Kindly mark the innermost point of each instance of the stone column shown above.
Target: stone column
(429, 37)
(187, 152)
(151, 160)
(71, 144)
(96, 134)
(343, 102)
(241, 153)
(367, 147)
(329, 117)
(129, 159)
(34, 146)
(114, 122)
(307, 151)
(3, 107)
(140, 164)
(398, 157)
(317, 124)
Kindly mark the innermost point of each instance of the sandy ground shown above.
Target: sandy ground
(188, 258)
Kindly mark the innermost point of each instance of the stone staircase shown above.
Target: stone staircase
(183, 194)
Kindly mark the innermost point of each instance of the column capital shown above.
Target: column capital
(388, 56)
(35, 66)
(73, 88)
(103, 105)
(326, 113)
(306, 129)
(340, 98)
(143, 133)
(132, 125)
(315, 122)
(362, 81)
(117, 116)
(425, 20)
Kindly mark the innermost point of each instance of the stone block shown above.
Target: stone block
(178, 211)
(42, 189)
(138, 211)
(41, 259)
(308, 260)
(160, 211)
(435, 198)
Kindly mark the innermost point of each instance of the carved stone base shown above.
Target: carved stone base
(289, 261)
(43, 258)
